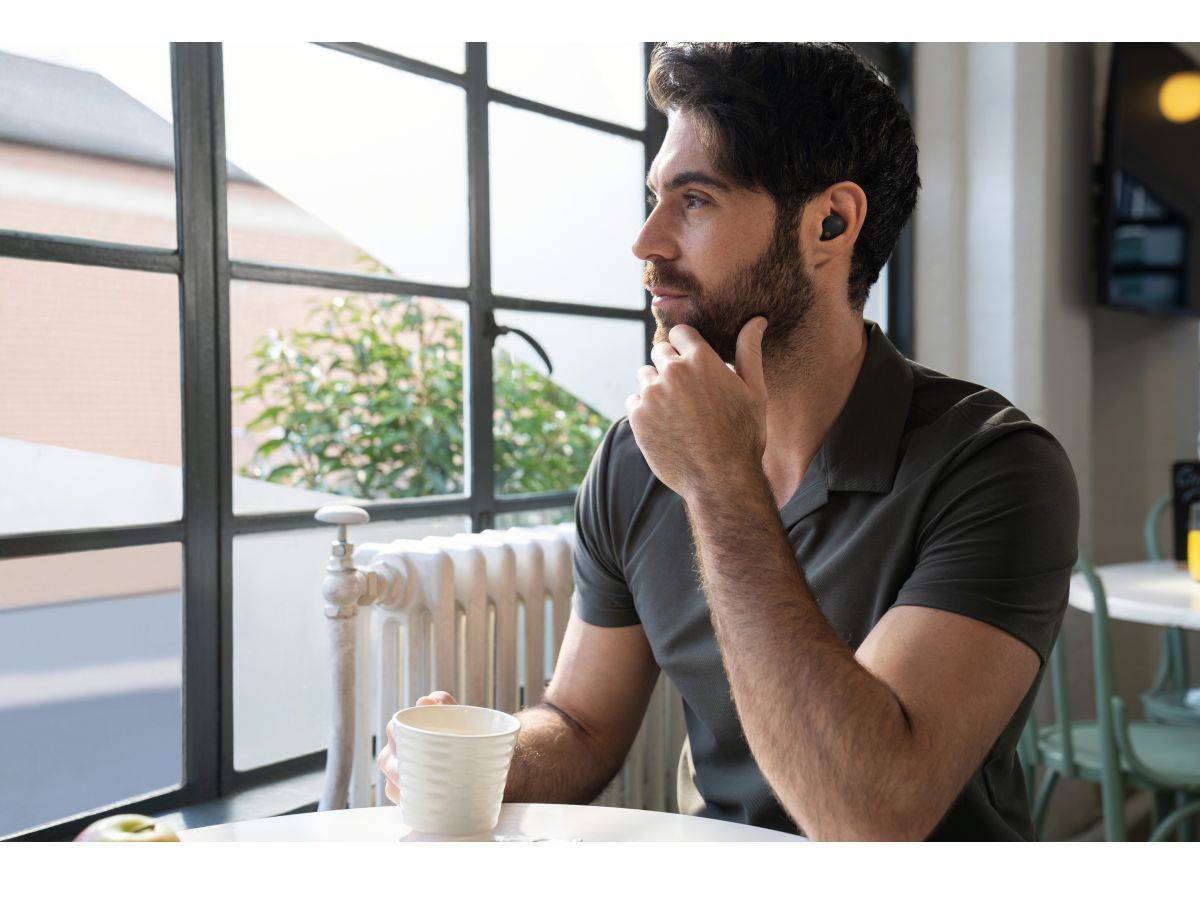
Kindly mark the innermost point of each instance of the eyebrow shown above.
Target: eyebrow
(692, 176)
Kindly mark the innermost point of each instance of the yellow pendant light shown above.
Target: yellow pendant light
(1179, 97)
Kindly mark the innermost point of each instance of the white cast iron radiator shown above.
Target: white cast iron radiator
(480, 615)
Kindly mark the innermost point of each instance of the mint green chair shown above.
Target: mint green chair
(1110, 750)
(1166, 701)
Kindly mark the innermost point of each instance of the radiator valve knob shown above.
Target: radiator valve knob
(344, 586)
(341, 516)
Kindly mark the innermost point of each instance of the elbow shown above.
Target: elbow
(882, 821)
(870, 830)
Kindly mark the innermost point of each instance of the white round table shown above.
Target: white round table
(1154, 593)
(518, 822)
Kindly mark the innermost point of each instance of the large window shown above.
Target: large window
(240, 282)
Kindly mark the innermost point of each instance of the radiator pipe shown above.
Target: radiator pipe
(343, 589)
(340, 759)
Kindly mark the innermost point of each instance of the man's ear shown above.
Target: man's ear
(832, 221)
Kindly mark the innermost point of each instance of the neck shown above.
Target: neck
(808, 383)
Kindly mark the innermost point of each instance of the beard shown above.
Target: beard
(776, 285)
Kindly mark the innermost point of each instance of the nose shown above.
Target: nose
(655, 238)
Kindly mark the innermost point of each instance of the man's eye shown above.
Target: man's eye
(689, 199)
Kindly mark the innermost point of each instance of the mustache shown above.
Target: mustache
(666, 280)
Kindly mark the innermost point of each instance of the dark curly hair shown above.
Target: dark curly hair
(792, 119)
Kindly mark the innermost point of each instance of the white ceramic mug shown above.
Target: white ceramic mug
(453, 762)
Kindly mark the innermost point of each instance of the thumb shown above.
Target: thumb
(748, 359)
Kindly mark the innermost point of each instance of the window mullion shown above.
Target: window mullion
(197, 177)
(480, 454)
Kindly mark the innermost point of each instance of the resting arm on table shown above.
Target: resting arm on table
(574, 741)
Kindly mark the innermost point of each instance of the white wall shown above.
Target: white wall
(1005, 297)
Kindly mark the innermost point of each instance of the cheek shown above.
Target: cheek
(708, 255)
(720, 249)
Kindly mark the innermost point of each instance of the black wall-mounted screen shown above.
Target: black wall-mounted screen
(1149, 245)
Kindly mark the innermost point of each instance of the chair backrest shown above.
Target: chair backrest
(1170, 674)
(1102, 676)
(1102, 653)
(1029, 748)
(1150, 528)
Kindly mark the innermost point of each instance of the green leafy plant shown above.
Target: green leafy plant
(367, 401)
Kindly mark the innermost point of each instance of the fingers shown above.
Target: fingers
(749, 362)
(686, 339)
(646, 375)
(386, 760)
(435, 698)
(662, 352)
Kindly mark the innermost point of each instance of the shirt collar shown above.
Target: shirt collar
(859, 452)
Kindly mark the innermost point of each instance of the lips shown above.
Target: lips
(661, 294)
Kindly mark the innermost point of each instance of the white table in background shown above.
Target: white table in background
(1159, 593)
(518, 822)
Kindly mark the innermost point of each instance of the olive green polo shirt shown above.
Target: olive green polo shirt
(928, 491)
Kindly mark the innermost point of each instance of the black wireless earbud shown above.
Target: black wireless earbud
(831, 226)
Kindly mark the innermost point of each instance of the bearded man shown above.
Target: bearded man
(853, 568)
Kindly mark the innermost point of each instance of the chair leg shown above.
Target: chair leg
(1166, 667)
(1042, 803)
(1163, 805)
(1183, 814)
(1112, 802)
(1187, 826)
(1174, 672)
(1180, 674)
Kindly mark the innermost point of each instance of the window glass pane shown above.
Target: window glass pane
(448, 56)
(876, 308)
(340, 395)
(89, 409)
(90, 681)
(548, 427)
(281, 703)
(605, 81)
(345, 164)
(531, 518)
(567, 204)
(86, 146)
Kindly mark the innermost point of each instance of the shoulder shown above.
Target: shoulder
(980, 455)
(955, 424)
(619, 452)
(618, 474)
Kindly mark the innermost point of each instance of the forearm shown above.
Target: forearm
(832, 740)
(555, 760)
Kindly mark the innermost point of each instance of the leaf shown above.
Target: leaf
(279, 473)
(271, 446)
(270, 412)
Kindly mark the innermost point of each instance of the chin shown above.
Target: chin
(666, 324)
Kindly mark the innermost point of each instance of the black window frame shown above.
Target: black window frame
(201, 262)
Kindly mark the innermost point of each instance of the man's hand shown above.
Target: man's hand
(694, 419)
(386, 760)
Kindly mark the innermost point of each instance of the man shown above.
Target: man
(853, 568)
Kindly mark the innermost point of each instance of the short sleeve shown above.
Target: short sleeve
(999, 538)
(602, 594)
